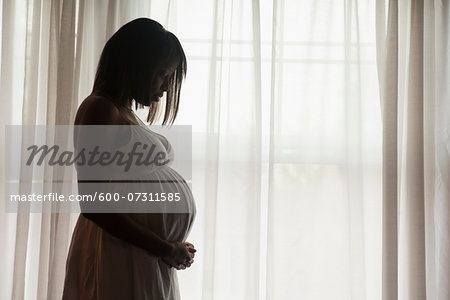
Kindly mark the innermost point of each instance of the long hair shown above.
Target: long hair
(129, 62)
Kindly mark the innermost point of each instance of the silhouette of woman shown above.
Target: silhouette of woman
(133, 255)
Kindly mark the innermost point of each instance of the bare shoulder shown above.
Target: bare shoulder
(98, 110)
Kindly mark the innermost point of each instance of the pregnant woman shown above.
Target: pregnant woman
(133, 255)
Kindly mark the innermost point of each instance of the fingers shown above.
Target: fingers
(167, 263)
(190, 247)
(192, 251)
(184, 265)
(181, 266)
(180, 260)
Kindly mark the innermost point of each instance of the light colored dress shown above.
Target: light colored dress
(103, 267)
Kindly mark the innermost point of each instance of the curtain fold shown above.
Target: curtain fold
(438, 222)
(40, 84)
(412, 71)
(389, 84)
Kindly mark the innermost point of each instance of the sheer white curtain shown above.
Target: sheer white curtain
(288, 150)
(39, 79)
(283, 98)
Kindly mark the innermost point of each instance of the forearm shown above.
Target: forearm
(125, 228)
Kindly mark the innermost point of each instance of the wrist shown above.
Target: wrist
(167, 249)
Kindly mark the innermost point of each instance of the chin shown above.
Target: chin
(145, 102)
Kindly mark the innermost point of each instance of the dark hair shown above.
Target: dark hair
(129, 62)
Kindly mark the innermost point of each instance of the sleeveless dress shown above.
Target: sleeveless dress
(102, 267)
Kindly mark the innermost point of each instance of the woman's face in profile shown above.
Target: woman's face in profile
(161, 80)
